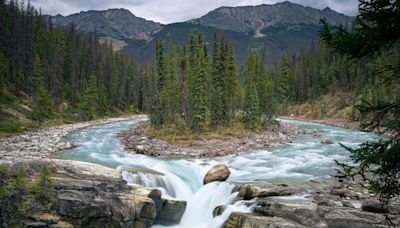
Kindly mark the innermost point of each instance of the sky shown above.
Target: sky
(170, 11)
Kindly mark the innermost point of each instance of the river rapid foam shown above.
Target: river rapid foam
(305, 159)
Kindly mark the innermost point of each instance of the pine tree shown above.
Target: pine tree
(3, 74)
(283, 86)
(200, 99)
(43, 105)
(251, 107)
(87, 104)
(156, 115)
(219, 82)
(234, 91)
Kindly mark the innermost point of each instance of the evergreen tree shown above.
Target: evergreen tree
(3, 74)
(156, 109)
(234, 91)
(219, 82)
(43, 105)
(283, 86)
(87, 104)
(376, 32)
(251, 107)
(200, 90)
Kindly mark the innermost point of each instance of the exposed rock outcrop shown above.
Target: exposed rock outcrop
(89, 195)
(338, 204)
(217, 173)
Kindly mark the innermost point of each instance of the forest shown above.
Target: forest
(68, 75)
(223, 117)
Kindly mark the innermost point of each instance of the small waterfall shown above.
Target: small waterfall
(182, 178)
(201, 203)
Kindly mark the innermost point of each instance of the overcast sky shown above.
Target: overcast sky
(169, 11)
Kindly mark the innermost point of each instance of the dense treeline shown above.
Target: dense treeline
(205, 89)
(65, 72)
(198, 90)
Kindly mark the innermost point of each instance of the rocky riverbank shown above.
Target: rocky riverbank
(339, 204)
(89, 195)
(342, 123)
(43, 143)
(136, 140)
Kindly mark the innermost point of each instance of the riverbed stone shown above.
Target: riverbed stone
(171, 212)
(247, 220)
(217, 173)
(250, 191)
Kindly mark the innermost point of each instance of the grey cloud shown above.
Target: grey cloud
(169, 11)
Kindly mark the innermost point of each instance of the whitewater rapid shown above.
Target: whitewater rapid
(305, 159)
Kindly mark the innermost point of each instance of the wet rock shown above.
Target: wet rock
(302, 212)
(373, 206)
(348, 217)
(352, 203)
(171, 212)
(327, 142)
(244, 220)
(217, 173)
(250, 191)
(342, 192)
(218, 210)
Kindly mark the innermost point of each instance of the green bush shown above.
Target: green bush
(10, 126)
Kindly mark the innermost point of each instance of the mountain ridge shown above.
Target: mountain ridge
(277, 28)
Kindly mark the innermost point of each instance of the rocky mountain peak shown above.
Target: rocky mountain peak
(256, 18)
(114, 23)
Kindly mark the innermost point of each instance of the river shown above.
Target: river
(305, 159)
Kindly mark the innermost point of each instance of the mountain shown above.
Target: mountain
(282, 27)
(118, 24)
(255, 19)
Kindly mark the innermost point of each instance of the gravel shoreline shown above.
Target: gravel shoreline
(331, 122)
(43, 143)
(136, 141)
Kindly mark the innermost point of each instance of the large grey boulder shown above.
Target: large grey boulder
(250, 191)
(246, 220)
(171, 212)
(217, 173)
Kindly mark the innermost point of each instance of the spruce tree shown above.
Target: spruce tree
(156, 115)
(283, 86)
(200, 99)
(376, 32)
(251, 107)
(88, 100)
(42, 105)
(234, 92)
(3, 74)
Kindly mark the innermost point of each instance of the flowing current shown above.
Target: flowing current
(305, 159)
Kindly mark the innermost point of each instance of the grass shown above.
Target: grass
(185, 136)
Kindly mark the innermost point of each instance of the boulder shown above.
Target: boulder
(171, 212)
(327, 142)
(301, 212)
(245, 220)
(337, 217)
(250, 191)
(217, 173)
(373, 206)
